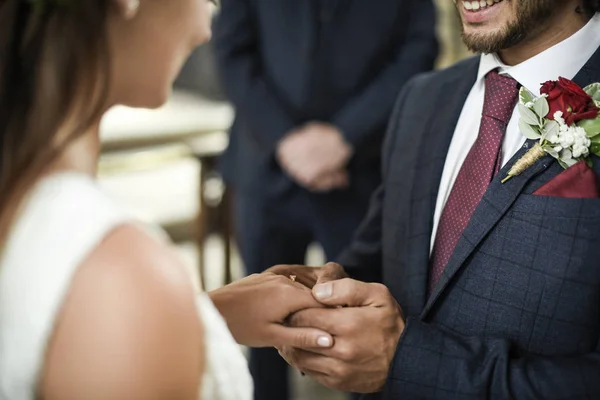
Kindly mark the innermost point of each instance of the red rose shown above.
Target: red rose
(566, 96)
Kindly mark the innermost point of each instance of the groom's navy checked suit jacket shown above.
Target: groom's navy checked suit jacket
(516, 314)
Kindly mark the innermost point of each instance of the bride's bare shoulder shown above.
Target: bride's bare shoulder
(128, 328)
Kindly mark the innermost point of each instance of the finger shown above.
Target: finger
(351, 293)
(309, 362)
(303, 274)
(330, 272)
(326, 319)
(342, 178)
(338, 180)
(296, 297)
(327, 181)
(323, 185)
(304, 338)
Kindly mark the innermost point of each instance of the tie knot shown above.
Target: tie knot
(501, 93)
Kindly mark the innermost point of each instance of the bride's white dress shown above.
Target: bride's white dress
(64, 218)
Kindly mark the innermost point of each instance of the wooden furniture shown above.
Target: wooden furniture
(186, 126)
(214, 216)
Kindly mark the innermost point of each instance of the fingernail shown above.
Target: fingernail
(324, 341)
(323, 291)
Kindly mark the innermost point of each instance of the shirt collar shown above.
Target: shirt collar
(563, 59)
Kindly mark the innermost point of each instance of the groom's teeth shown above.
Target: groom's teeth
(474, 5)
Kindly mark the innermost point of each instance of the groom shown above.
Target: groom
(493, 289)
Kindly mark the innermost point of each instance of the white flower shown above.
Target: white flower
(563, 128)
(567, 139)
(529, 104)
(558, 118)
(571, 142)
(578, 151)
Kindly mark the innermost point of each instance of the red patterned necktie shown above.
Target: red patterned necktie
(480, 166)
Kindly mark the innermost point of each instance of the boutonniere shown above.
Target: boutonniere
(565, 121)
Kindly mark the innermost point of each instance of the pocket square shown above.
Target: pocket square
(576, 182)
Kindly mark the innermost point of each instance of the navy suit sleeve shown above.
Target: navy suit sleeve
(242, 76)
(369, 111)
(362, 259)
(431, 363)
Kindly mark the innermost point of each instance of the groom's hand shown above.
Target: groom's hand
(366, 322)
(310, 276)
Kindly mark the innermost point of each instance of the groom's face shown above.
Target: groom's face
(493, 25)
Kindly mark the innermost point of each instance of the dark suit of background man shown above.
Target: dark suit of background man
(313, 83)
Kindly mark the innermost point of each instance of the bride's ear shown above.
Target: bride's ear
(128, 9)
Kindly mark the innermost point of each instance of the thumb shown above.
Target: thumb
(302, 338)
(349, 293)
(330, 272)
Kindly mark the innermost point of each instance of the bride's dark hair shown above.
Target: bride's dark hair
(53, 79)
(591, 6)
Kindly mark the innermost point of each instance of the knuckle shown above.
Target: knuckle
(281, 280)
(380, 289)
(345, 352)
(338, 372)
(302, 340)
(345, 328)
(298, 319)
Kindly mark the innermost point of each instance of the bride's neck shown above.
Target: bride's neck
(82, 155)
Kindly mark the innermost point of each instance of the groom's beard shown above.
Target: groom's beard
(531, 17)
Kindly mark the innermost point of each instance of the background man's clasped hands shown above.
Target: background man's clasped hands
(315, 157)
(364, 320)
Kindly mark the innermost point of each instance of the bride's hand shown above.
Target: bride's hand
(257, 307)
(310, 276)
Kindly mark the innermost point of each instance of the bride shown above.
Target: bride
(94, 305)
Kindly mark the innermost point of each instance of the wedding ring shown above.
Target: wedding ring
(293, 278)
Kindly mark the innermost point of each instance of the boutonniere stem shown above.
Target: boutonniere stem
(528, 159)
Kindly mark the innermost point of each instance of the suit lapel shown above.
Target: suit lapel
(499, 197)
(429, 164)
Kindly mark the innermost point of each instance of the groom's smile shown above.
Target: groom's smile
(475, 12)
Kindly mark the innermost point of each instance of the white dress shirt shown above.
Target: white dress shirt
(564, 59)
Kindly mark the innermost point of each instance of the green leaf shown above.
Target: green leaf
(551, 128)
(528, 116)
(563, 164)
(595, 139)
(550, 150)
(541, 107)
(589, 162)
(591, 126)
(528, 131)
(525, 96)
(593, 90)
(595, 149)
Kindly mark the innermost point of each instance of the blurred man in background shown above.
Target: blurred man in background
(313, 83)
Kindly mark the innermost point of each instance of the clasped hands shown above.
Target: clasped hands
(315, 156)
(364, 320)
(339, 331)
